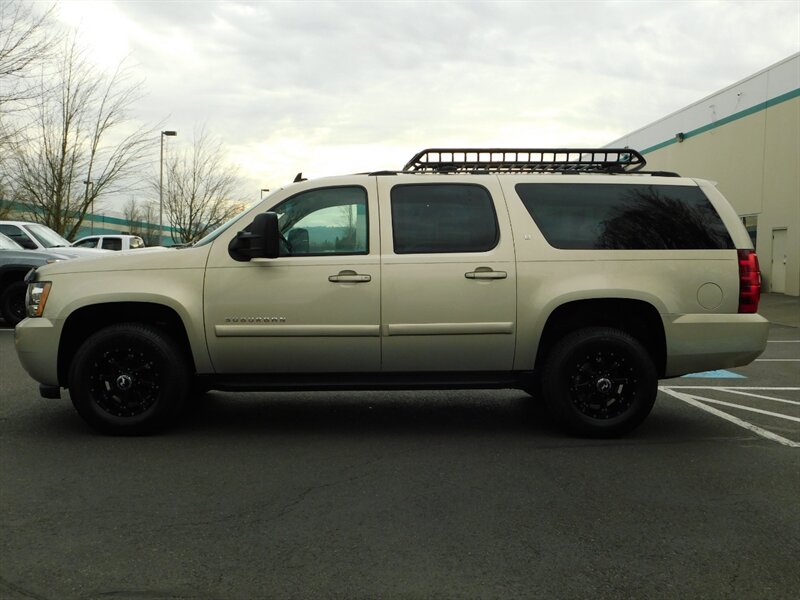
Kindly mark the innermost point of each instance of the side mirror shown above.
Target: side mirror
(260, 239)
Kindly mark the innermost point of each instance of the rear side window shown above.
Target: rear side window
(112, 243)
(436, 218)
(624, 217)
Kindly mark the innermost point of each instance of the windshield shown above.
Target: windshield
(6, 243)
(46, 236)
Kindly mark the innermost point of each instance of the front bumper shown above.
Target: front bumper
(36, 342)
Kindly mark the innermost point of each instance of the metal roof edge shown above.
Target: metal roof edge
(730, 118)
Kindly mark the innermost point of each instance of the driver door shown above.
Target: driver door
(315, 308)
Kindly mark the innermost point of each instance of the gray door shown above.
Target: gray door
(778, 267)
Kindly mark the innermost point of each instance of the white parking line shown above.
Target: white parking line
(778, 360)
(747, 408)
(738, 387)
(697, 403)
(735, 391)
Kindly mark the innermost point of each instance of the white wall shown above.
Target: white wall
(747, 139)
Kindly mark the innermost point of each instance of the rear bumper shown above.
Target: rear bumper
(702, 342)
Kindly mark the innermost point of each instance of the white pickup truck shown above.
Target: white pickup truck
(110, 242)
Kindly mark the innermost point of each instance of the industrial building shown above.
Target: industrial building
(745, 137)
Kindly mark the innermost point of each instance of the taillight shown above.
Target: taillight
(749, 281)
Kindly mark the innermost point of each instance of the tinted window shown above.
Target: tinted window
(16, 234)
(112, 243)
(443, 218)
(86, 243)
(624, 217)
(324, 221)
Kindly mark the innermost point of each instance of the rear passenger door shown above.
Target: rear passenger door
(448, 291)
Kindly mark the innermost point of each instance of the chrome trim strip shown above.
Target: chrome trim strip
(279, 330)
(447, 328)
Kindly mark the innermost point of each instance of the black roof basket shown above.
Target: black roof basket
(526, 160)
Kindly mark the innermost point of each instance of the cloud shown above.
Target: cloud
(352, 83)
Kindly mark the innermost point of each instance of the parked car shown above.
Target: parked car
(35, 236)
(574, 275)
(15, 262)
(110, 242)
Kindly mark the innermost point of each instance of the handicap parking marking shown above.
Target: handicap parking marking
(703, 403)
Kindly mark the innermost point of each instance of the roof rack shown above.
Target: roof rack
(526, 160)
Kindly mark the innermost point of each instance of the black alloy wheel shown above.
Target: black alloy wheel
(129, 379)
(599, 382)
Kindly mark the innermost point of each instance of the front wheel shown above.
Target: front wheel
(129, 379)
(599, 382)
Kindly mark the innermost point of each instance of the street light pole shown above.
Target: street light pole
(87, 183)
(161, 185)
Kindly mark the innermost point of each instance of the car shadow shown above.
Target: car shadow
(469, 413)
(369, 412)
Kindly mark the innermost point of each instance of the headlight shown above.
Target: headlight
(36, 297)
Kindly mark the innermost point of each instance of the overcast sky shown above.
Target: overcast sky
(336, 87)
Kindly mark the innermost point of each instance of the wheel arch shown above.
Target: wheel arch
(87, 320)
(11, 273)
(638, 318)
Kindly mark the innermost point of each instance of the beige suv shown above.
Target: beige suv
(571, 274)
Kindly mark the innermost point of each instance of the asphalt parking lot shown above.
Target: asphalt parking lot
(411, 495)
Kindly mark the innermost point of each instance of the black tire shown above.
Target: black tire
(12, 303)
(599, 382)
(129, 379)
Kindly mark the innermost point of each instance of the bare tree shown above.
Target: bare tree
(199, 193)
(6, 204)
(150, 232)
(142, 219)
(81, 144)
(132, 213)
(26, 43)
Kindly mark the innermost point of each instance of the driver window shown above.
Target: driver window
(325, 221)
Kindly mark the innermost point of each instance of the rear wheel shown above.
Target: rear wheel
(12, 303)
(129, 379)
(599, 382)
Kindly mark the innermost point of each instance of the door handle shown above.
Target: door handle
(485, 273)
(349, 277)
